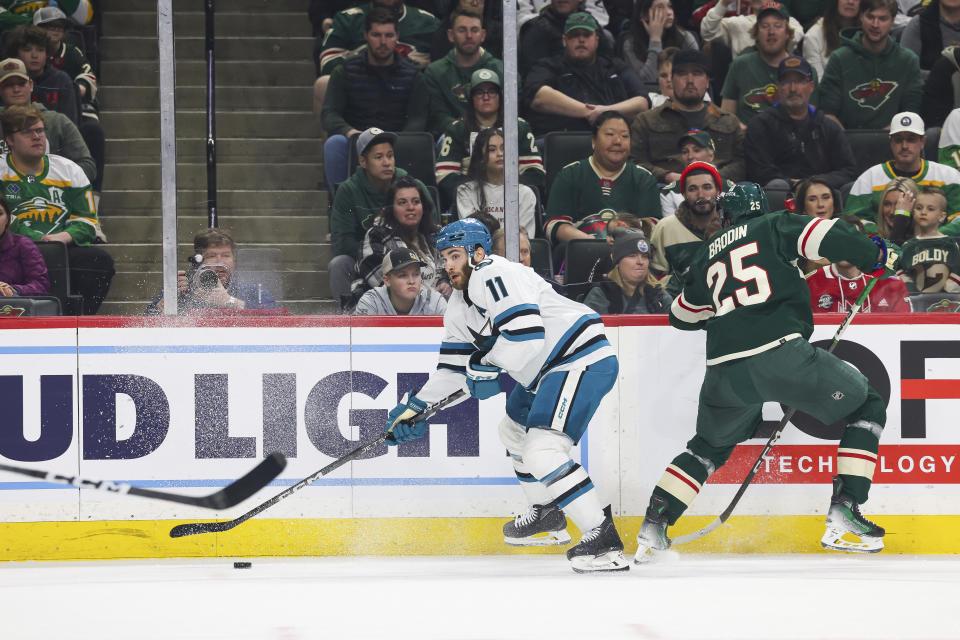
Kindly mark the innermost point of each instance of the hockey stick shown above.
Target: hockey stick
(194, 528)
(696, 535)
(234, 493)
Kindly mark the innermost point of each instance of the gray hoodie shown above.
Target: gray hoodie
(376, 302)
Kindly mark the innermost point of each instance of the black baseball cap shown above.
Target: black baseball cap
(686, 57)
(399, 258)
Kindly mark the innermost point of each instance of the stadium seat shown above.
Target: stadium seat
(776, 198)
(540, 259)
(931, 149)
(582, 254)
(941, 302)
(560, 148)
(415, 152)
(58, 270)
(870, 147)
(19, 306)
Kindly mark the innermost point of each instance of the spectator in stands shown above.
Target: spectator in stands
(215, 254)
(629, 287)
(448, 79)
(939, 95)
(907, 139)
(895, 215)
(51, 201)
(321, 14)
(675, 238)
(948, 151)
(483, 190)
(52, 88)
(568, 92)
(872, 77)
(695, 146)
(823, 38)
(72, 61)
(375, 88)
(655, 133)
(63, 136)
(834, 288)
(492, 15)
(794, 140)
(930, 262)
(402, 292)
(653, 29)
(541, 37)
(606, 180)
(751, 84)
(736, 31)
(23, 271)
(356, 203)
(527, 10)
(17, 12)
(347, 32)
(484, 109)
(935, 26)
(817, 199)
(664, 84)
(406, 221)
(500, 241)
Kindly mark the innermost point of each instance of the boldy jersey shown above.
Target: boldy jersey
(831, 292)
(58, 199)
(933, 264)
(743, 289)
(526, 328)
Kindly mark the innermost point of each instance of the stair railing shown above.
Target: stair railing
(211, 117)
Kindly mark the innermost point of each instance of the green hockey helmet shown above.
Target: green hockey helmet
(742, 201)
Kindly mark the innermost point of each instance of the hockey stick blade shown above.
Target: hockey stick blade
(194, 528)
(233, 494)
(719, 520)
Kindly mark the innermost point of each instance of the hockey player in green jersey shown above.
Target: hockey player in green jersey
(743, 289)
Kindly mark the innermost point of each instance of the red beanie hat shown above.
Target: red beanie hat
(700, 166)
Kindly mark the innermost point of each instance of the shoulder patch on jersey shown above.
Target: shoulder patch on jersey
(352, 11)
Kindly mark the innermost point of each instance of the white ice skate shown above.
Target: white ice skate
(847, 529)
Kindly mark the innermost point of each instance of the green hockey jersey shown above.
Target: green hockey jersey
(742, 288)
(931, 265)
(16, 12)
(57, 199)
(578, 191)
(415, 27)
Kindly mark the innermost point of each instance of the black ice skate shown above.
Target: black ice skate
(600, 549)
(847, 530)
(653, 532)
(541, 525)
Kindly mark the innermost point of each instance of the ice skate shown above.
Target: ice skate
(600, 549)
(542, 525)
(652, 537)
(847, 529)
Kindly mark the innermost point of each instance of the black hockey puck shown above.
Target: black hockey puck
(242, 565)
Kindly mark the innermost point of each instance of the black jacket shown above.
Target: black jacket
(777, 146)
(939, 92)
(54, 89)
(606, 81)
(542, 37)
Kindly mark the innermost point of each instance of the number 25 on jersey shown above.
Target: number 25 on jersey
(719, 272)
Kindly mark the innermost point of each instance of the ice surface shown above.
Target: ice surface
(834, 597)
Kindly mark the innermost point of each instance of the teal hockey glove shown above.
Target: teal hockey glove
(399, 424)
(483, 380)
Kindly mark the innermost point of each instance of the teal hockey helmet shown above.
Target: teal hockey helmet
(744, 200)
(468, 233)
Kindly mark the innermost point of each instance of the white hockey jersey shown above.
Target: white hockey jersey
(526, 328)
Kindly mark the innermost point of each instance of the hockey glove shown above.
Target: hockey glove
(887, 263)
(483, 380)
(399, 424)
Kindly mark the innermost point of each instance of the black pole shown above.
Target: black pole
(211, 121)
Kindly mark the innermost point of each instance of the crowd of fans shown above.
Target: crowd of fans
(674, 102)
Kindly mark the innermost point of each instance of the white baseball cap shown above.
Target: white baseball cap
(907, 121)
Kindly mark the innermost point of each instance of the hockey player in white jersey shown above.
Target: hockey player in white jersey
(503, 317)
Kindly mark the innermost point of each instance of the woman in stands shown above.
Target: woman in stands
(895, 217)
(405, 221)
(483, 190)
(22, 269)
(816, 199)
(823, 38)
(652, 29)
